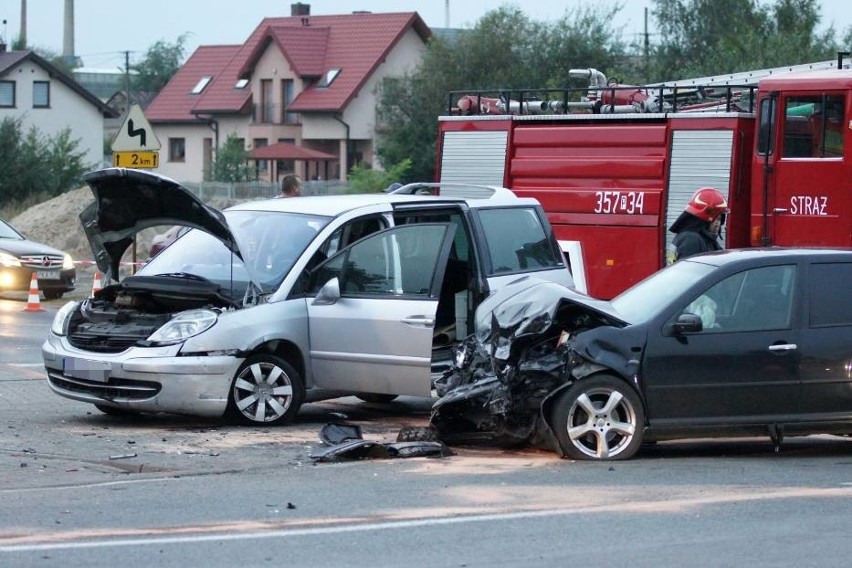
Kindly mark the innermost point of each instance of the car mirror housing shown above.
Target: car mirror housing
(687, 323)
(328, 294)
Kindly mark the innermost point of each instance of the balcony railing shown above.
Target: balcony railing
(273, 114)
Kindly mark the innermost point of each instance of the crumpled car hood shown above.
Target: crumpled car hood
(528, 306)
(128, 201)
(532, 338)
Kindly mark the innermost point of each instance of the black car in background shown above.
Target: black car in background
(748, 342)
(20, 258)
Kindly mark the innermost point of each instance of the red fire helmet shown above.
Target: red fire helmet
(707, 204)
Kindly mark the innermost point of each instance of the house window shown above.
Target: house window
(7, 93)
(329, 77)
(41, 94)
(177, 149)
(266, 104)
(199, 86)
(288, 93)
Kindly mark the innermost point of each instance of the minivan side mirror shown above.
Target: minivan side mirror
(328, 294)
(687, 323)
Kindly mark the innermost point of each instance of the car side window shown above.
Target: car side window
(351, 232)
(516, 240)
(829, 306)
(398, 262)
(752, 300)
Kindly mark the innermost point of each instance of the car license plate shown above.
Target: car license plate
(47, 275)
(86, 369)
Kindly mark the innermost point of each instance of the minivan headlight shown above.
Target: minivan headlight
(67, 262)
(62, 317)
(183, 326)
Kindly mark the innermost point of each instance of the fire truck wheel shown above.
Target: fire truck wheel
(599, 418)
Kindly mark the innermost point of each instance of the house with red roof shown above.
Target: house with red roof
(300, 93)
(41, 96)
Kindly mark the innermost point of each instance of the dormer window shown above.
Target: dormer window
(329, 77)
(196, 90)
(241, 84)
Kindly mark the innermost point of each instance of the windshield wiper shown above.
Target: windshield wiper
(184, 275)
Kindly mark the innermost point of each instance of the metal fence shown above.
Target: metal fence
(246, 191)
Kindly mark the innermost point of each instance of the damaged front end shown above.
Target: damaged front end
(524, 348)
(145, 311)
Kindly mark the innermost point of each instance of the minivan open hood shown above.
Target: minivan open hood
(128, 201)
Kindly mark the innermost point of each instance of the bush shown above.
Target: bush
(35, 166)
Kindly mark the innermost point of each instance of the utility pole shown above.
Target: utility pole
(647, 47)
(127, 81)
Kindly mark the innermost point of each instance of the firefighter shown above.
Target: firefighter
(697, 228)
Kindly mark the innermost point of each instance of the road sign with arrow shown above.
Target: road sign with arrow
(135, 145)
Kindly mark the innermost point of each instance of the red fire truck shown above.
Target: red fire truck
(614, 166)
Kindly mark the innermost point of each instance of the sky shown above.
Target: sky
(105, 29)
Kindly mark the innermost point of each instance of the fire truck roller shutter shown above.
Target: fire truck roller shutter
(699, 158)
(475, 158)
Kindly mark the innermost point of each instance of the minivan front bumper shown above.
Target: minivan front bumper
(141, 379)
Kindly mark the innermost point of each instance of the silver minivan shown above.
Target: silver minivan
(274, 303)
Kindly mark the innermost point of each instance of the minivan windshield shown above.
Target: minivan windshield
(644, 300)
(270, 243)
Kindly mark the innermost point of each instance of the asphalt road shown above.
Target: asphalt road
(79, 488)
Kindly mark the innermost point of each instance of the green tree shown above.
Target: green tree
(158, 66)
(712, 37)
(231, 161)
(505, 50)
(367, 180)
(33, 165)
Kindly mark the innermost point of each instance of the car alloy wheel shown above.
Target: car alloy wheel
(599, 418)
(266, 390)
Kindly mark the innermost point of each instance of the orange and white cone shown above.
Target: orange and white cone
(33, 302)
(96, 283)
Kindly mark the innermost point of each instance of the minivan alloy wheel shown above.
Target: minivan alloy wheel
(266, 390)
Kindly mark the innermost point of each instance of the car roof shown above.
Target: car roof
(772, 254)
(334, 205)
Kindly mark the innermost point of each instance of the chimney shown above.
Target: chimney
(68, 35)
(23, 35)
(300, 9)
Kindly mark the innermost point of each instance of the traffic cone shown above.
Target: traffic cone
(96, 283)
(33, 302)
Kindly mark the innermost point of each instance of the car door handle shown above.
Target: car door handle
(421, 321)
(783, 347)
(780, 210)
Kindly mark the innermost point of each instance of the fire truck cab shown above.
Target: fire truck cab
(614, 166)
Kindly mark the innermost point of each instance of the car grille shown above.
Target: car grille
(41, 261)
(113, 389)
(102, 343)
